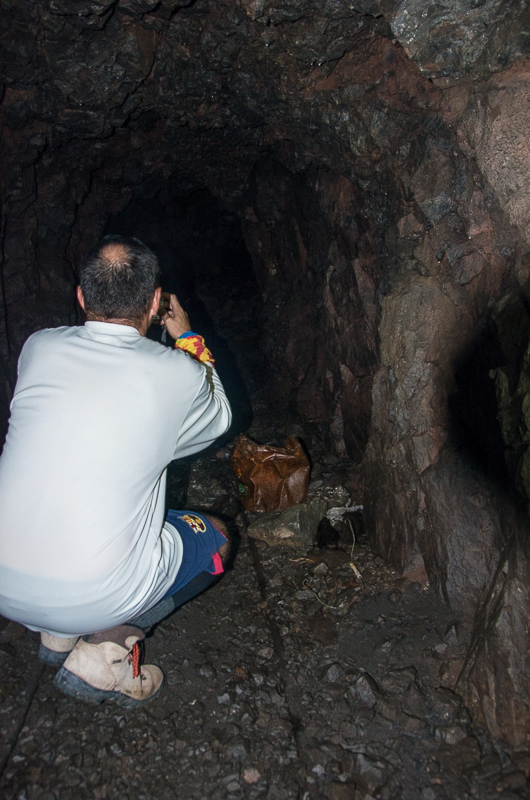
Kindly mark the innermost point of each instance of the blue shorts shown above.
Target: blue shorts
(200, 542)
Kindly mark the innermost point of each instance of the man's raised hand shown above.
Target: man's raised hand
(175, 319)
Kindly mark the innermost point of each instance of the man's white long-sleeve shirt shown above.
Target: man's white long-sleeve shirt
(98, 413)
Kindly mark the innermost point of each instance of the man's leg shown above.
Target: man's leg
(198, 584)
(106, 665)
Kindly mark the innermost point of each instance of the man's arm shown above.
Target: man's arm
(209, 415)
(192, 343)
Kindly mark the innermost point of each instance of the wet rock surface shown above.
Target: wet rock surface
(315, 673)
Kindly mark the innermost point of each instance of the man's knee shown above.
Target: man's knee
(224, 550)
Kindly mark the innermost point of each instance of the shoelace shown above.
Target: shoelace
(134, 659)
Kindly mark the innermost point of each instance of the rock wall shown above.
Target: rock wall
(376, 154)
(313, 252)
(430, 319)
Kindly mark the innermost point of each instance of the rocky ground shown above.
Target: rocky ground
(309, 673)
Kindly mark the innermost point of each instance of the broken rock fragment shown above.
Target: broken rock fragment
(295, 527)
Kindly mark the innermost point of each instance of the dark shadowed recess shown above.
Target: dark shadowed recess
(474, 425)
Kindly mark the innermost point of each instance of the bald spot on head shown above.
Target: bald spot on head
(118, 280)
(115, 253)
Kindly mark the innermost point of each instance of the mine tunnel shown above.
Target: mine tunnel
(338, 195)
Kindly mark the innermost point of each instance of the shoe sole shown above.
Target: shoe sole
(52, 657)
(74, 686)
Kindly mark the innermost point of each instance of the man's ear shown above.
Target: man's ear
(80, 298)
(156, 302)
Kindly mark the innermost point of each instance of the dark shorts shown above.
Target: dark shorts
(200, 542)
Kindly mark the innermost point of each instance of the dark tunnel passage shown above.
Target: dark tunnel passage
(204, 261)
(338, 195)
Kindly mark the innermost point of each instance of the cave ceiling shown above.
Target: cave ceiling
(199, 91)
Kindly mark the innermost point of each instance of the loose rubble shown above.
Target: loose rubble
(297, 676)
(295, 527)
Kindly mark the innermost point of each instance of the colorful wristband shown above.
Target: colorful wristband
(194, 344)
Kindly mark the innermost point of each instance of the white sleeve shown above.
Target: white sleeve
(208, 417)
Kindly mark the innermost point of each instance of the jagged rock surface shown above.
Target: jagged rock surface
(376, 155)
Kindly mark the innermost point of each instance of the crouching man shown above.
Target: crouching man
(99, 411)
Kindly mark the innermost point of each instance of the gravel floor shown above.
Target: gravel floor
(290, 679)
